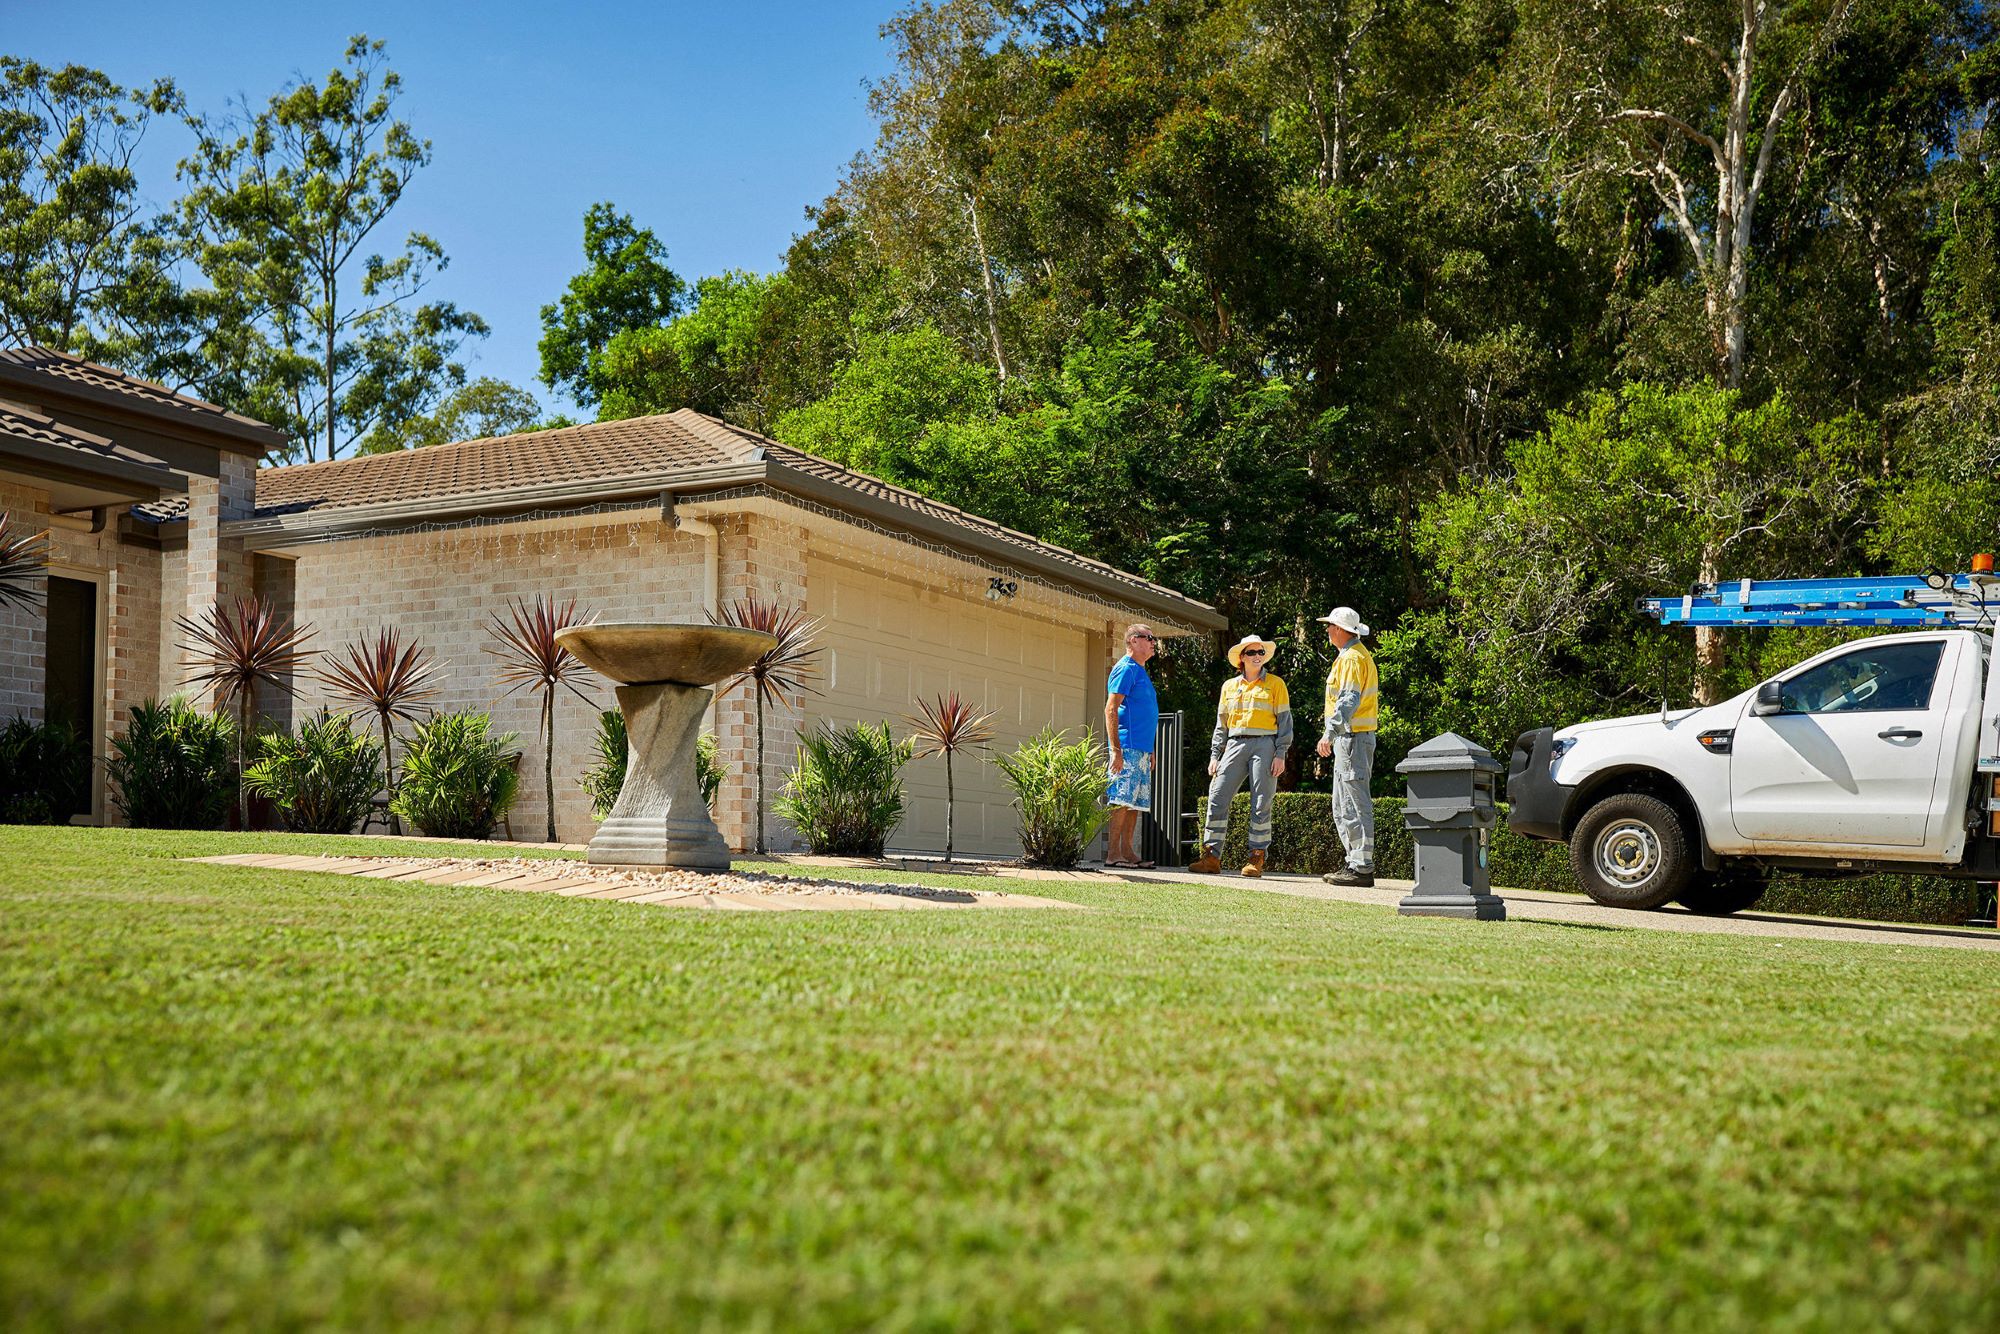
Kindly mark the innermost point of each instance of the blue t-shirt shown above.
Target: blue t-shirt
(1139, 714)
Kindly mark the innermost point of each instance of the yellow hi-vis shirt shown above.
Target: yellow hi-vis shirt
(1253, 708)
(1351, 692)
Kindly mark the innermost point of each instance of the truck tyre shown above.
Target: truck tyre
(1719, 893)
(1630, 851)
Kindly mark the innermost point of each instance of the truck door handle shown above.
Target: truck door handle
(1900, 734)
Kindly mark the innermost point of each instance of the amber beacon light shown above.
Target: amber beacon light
(1983, 563)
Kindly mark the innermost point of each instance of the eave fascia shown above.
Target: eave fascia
(267, 532)
(224, 433)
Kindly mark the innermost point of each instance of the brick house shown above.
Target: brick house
(650, 519)
(80, 446)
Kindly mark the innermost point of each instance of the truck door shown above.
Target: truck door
(1852, 760)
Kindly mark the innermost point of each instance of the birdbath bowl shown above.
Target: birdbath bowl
(666, 676)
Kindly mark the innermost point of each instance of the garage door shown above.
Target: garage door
(890, 643)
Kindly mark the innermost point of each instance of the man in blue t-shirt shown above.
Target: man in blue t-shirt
(1131, 720)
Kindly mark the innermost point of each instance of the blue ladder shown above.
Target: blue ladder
(1928, 601)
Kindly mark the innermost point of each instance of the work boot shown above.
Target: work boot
(1350, 878)
(1209, 863)
(1255, 866)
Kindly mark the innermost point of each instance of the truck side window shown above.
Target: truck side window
(1875, 678)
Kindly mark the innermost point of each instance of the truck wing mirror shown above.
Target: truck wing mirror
(1770, 699)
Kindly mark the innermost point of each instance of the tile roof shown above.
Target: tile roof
(53, 442)
(44, 366)
(636, 446)
(628, 457)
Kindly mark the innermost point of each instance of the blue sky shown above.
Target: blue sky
(713, 124)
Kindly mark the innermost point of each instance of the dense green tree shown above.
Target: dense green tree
(76, 249)
(625, 285)
(308, 325)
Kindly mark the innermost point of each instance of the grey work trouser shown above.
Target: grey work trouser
(1353, 808)
(1243, 757)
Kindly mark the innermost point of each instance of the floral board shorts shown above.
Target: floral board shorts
(1132, 786)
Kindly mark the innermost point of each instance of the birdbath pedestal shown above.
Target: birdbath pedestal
(666, 676)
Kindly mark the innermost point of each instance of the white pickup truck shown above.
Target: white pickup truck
(1881, 755)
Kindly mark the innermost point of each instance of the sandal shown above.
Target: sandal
(1121, 866)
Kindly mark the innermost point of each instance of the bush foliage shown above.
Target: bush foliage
(1059, 791)
(459, 776)
(44, 773)
(845, 797)
(174, 768)
(1304, 842)
(320, 780)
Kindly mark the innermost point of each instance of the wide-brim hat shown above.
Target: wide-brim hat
(1347, 619)
(1251, 641)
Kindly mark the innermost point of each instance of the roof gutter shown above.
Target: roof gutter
(309, 525)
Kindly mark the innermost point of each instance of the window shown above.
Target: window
(1872, 679)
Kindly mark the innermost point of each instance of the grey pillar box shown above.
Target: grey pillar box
(1450, 813)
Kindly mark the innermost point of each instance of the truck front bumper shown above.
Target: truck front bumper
(1536, 802)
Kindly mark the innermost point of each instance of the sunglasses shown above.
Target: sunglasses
(1148, 638)
(1253, 653)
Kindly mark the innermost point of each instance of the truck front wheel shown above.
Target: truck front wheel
(1630, 851)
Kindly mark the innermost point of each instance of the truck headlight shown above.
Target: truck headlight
(1559, 748)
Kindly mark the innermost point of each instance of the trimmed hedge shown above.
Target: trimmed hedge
(1303, 842)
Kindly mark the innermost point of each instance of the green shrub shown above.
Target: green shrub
(1304, 842)
(603, 780)
(322, 779)
(459, 777)
(846, 794)
(175, 767)
(1059, 792)
(44, 773)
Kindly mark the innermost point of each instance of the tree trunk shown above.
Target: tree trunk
(331, 292)
(992, 298)
(242, 756)
(388, 763)
(1708, 646)
(949, 797)
(549, 759)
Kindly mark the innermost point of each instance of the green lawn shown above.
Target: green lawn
(239, 1097)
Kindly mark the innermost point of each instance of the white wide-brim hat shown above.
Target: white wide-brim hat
(1347, 619)
(1251, 641)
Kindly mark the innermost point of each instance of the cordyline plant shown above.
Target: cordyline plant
(229, 650)
(945, 726)
(389, 678)
(22, 559)
(782, 674)
(531, 659)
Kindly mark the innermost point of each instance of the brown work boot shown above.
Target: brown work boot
(1209, 863)
(1255, 866)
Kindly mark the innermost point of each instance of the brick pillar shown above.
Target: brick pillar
(215, 567)
(768, 557)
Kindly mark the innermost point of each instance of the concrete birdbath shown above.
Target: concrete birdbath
(666, 676)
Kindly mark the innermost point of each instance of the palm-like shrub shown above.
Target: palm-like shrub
(322, 779)
(846, 795)
(945, 726)
(459, 776)
(230, 650)
(172, 767)
(22, 559)
(603, 780)
(389, 679)
(781, 674)
(44, 772)
(532, 659)
(1059, 791)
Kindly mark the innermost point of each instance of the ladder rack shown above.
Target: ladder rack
(1927, 601)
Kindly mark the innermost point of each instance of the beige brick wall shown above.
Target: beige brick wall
(441, 588)
(21, 650)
